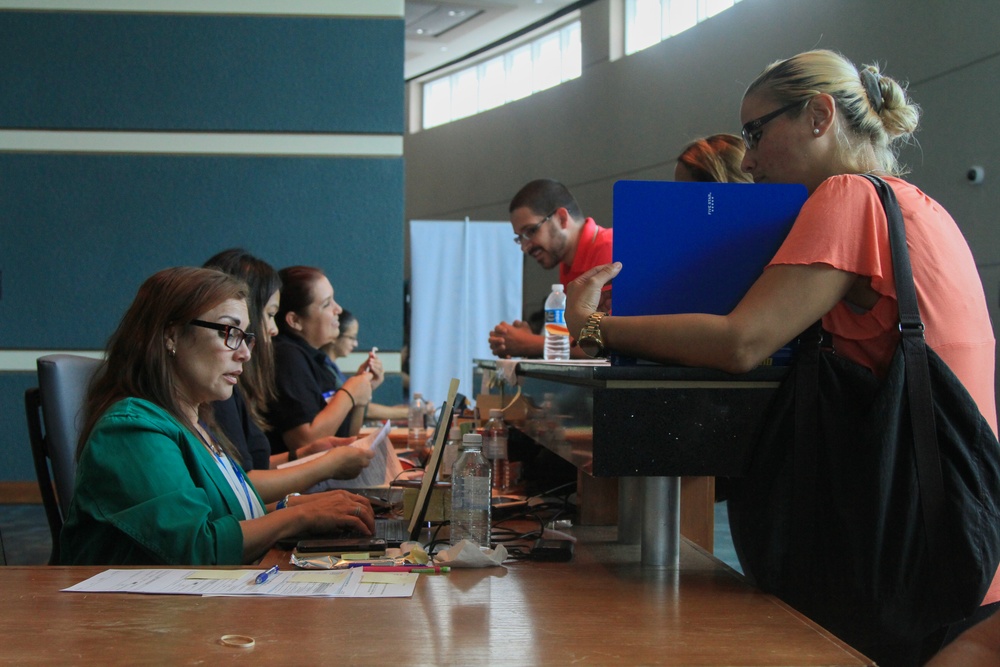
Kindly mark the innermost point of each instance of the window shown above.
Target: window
(649, 22)
(542, 63)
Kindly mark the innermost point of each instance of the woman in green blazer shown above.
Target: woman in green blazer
(156, 482)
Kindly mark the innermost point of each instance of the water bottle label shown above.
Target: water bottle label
(495, 447)
(479, 493)
(555, 322)
(471, 493)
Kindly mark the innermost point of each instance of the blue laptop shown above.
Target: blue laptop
(695, 247)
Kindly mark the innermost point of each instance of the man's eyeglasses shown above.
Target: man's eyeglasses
(232, 335)
(752, 131)
(528, 232)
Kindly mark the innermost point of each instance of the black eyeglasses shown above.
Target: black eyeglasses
(529, 232)
(752, 131)
(232, 335)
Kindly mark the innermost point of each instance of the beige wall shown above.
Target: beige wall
(628, 118)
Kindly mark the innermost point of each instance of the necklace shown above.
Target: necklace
(209, 441)
(214, 447)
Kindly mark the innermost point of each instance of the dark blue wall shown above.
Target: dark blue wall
(80, 231)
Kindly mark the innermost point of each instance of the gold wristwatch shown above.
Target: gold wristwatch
(591, 341)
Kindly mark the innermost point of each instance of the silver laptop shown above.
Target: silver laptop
(397, 531)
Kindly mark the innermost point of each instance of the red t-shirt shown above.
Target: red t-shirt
(593, 249)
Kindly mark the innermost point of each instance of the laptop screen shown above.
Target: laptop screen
(434, 462)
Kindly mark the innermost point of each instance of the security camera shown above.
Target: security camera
(974, 175)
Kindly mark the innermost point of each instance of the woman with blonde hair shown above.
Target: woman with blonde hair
(817, 120)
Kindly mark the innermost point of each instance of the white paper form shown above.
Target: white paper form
(382, 469)
(341, 583)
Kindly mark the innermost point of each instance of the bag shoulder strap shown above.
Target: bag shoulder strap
(906, 293)
(918, 383)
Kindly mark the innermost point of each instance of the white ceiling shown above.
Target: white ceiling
(477, 23)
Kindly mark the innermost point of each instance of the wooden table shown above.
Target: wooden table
(602, 608)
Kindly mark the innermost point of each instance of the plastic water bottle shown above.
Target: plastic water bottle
(470, 494)
(430, 415)
(415, 423)
(556, 333)
(452, 446)
(495, 449)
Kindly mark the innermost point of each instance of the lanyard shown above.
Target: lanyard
(229, 464)
(239, 475)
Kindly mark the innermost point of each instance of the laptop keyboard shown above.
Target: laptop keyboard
(392, 530)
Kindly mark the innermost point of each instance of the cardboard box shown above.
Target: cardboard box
(517, 413)
(439, 508)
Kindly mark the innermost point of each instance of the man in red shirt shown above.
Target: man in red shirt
(549, 226)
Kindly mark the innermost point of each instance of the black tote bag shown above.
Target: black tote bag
(873, 507)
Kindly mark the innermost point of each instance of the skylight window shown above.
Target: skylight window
(649, 22)
(528, 68)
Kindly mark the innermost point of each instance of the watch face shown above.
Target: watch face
(590, 346)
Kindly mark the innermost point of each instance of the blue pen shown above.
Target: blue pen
(263, 576)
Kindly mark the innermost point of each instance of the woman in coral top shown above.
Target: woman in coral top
(817, 120)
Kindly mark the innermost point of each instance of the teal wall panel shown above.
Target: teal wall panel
(81, 232)
(200, 72)
(15, 464)
(389, 392)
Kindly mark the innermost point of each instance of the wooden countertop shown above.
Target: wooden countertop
(602, 608)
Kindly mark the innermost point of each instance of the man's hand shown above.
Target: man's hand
(515, 340)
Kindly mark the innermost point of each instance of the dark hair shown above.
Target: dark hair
(297, 284)
(715, 159)
(543, 196)
(346, 317)
(136, 363)
(257, 381)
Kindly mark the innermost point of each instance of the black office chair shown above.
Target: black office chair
(54, 417)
